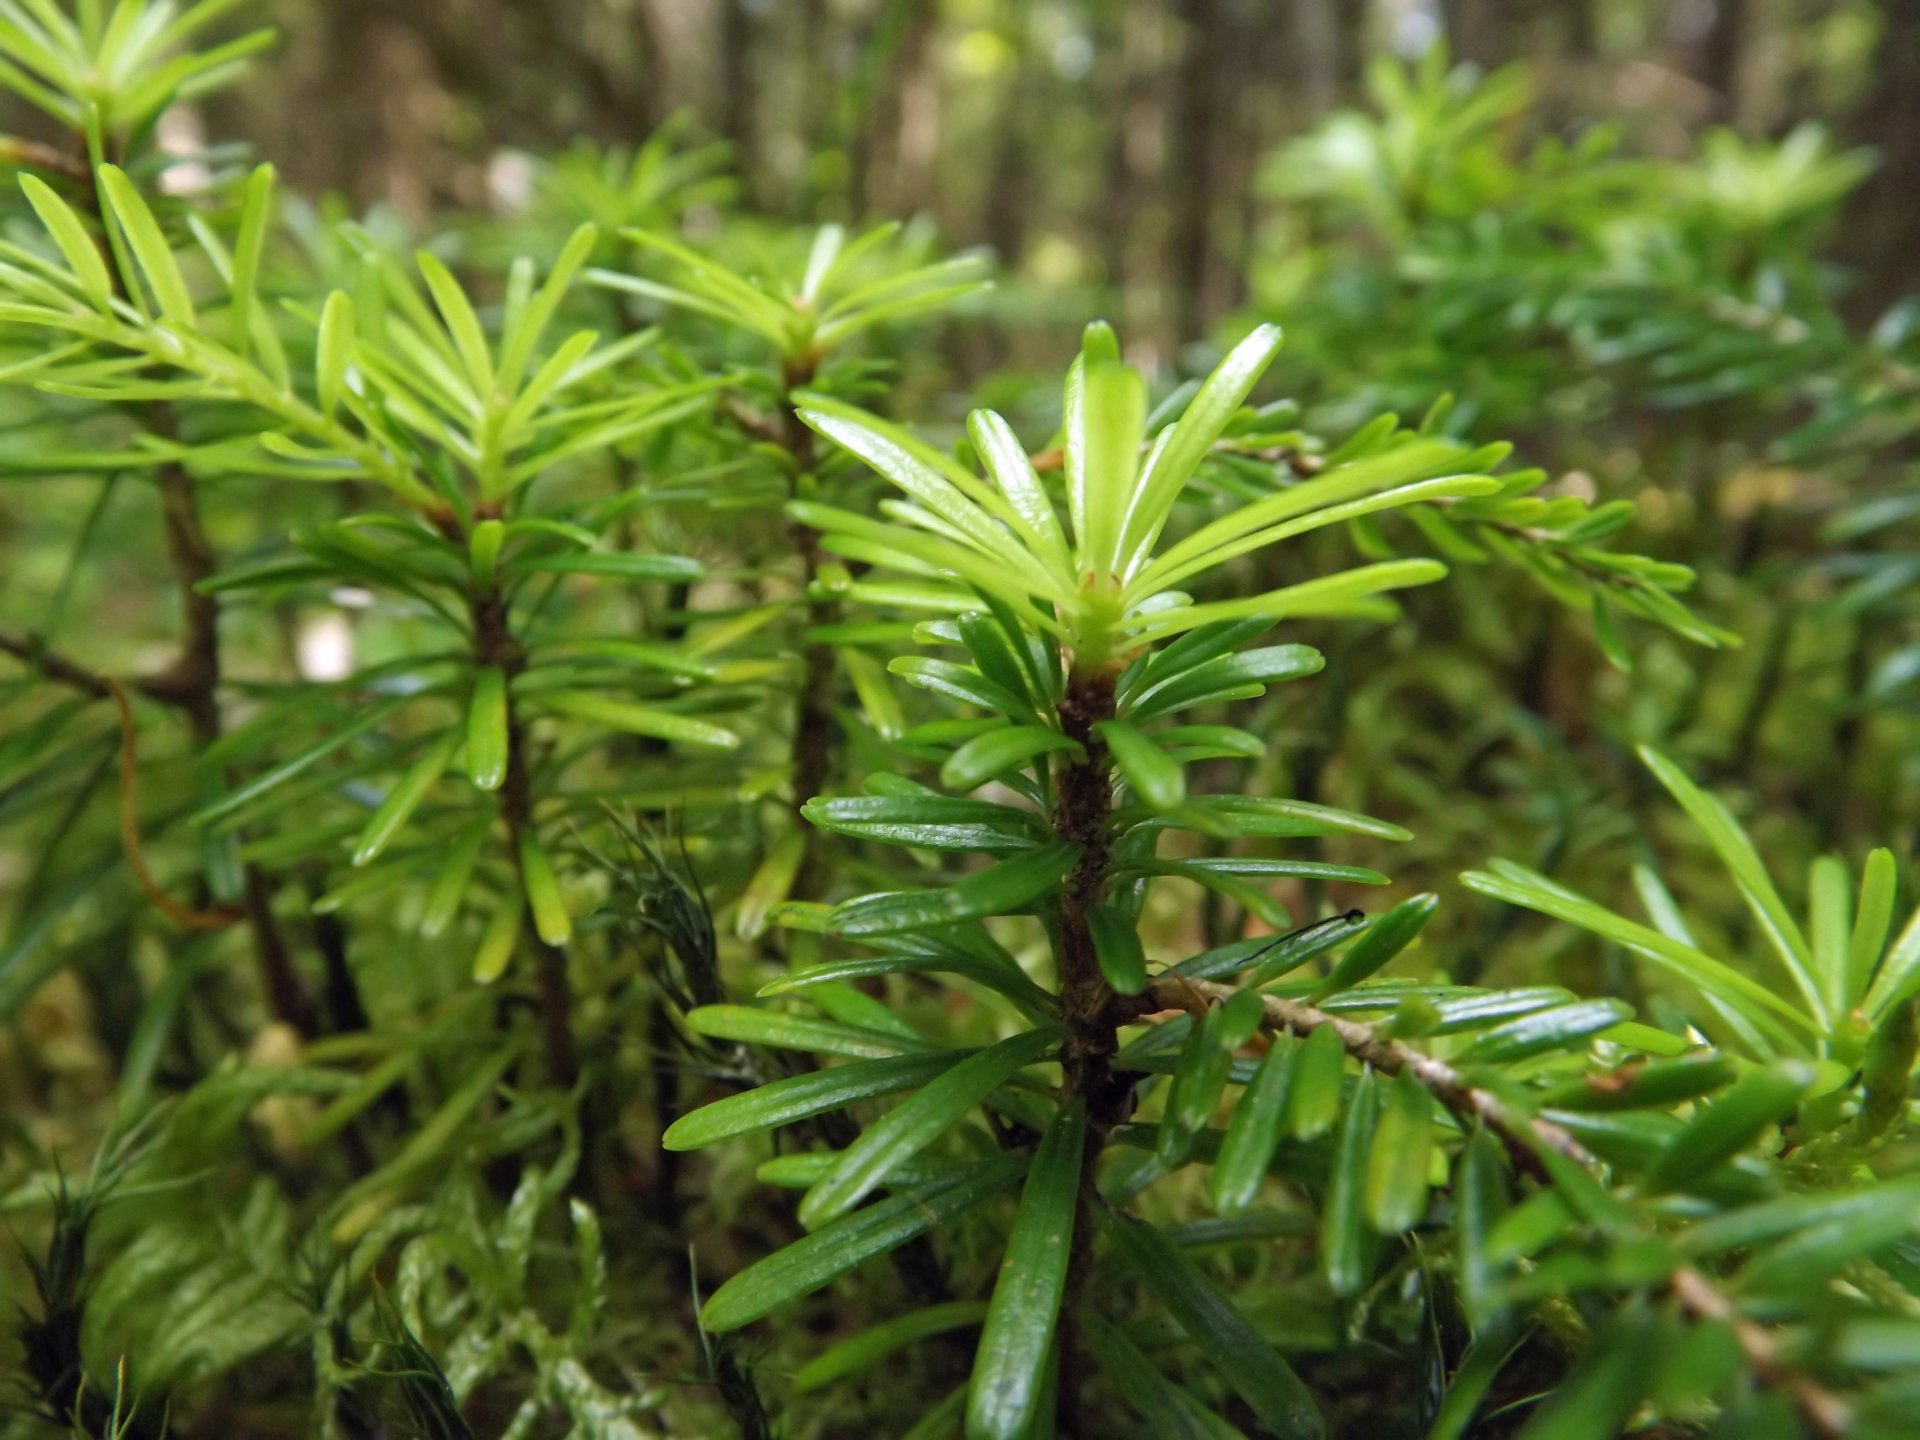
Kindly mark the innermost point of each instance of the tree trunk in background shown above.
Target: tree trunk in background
(371, 100)
(735, 109)
(813, 102)
(1317, 27)
(405, 104)
(1474, 29)
(916, 133)
(1197, 92)
(1137, 143)
(1717, 56)
(1115, 207)
(1583, 29)
(1009, 201)
(358, 109)
(1273, 84)
(613, 55)
(1492, 33)
(890, 61)
(1883, 221)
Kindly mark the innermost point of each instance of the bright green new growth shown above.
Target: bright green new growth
(107, 72)
(500, 957)
(1096, 584)
(1075, 649)
(412, 376)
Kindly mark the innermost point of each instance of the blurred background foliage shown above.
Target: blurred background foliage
(1112, 146)
(1665, 249)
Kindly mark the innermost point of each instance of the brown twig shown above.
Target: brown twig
(1525, 1137)
(55, 666)
(283, 987)
(1826, 1414)
(217, 918)
(24, 154)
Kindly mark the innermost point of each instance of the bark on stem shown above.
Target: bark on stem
(1083, 804)
(1082, 808)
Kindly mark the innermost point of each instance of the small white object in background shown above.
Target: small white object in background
(324, 646)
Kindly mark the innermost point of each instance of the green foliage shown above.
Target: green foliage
(106, 72)
(983, 906)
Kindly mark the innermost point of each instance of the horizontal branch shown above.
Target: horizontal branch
(25, 154)
(1825, 1413)
(52, 664)
(750, 422)
(216, 918)
(163, 687)
(1525, 1136)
